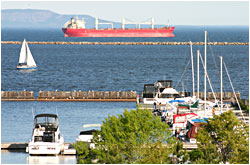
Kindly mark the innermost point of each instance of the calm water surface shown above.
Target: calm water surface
(17, 123)
(106, 68)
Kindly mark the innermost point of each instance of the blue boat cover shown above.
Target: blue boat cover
(199, 121)
(176, 101)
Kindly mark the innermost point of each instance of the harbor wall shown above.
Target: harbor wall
(70, 96)
(17, 95)
(225, 95)
(93, 96)
(124, 43)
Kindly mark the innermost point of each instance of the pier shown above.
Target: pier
(123, 43)
(21, 147)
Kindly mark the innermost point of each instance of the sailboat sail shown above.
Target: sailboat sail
(26, 60)
(30, 59)
(22, 57)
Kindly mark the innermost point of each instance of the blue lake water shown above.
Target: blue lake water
(105, 68)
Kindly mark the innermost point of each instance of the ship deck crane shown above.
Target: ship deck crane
(103, 23)
(147, 22)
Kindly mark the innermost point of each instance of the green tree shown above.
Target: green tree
(224, 139)
(133, 137)
(244, 106)
(83, 152)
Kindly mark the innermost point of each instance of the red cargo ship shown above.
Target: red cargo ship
(76, 28)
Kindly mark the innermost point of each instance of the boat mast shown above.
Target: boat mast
(152, 23)
(96, 23)
(205, 77)
(192, 61)
(123, 23)
(198, 74)
(221, 83)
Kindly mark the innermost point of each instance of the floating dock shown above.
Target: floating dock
(20, 146)
(69, 150)
(123, 43)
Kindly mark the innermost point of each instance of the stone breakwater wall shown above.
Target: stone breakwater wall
(91, 96)
(18, 95)
(69, 96)
(225, 95)
(124, 43)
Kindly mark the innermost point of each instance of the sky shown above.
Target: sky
(176, 12)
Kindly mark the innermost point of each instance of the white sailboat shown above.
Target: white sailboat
(26, 60)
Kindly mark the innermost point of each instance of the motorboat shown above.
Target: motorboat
(46, 137)
(162, 93)
(86, 134)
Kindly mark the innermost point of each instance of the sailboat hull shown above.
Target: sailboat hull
(26, 67)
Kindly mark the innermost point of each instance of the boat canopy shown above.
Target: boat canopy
(49, 121)
(46, 115)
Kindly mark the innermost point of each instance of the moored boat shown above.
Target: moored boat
(46, 137)
(86, 134)
(162, 93)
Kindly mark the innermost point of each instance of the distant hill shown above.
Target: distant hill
(33, 18)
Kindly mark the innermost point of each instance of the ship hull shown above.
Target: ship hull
(70, 32)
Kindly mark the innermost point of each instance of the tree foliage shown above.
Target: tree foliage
(135, 136)
(84, 156)
(244, 106)
(224, 139)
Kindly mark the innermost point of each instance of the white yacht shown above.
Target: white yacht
(46, 138)
(162, 92)
(86, 134)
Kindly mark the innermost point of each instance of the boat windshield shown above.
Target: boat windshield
(169, 96)
(46, 121)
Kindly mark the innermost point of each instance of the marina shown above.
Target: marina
(85, 82)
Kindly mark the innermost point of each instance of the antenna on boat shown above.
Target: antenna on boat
(56, 111)
(33, 112)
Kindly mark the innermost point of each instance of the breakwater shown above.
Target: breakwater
(69, 96)
(94, 96)
(123, 43)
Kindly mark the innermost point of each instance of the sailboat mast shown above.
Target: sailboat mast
(198, 74)
(192, 61)
(221, 85)
(205, 77)
(26, 52)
